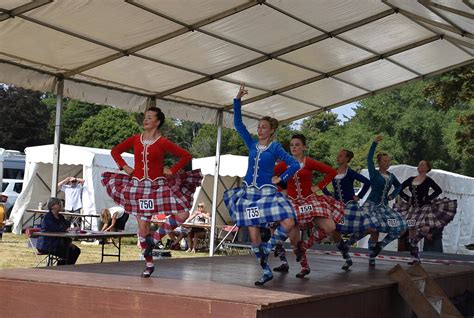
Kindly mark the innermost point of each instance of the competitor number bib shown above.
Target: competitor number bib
(393, 222)
(411, 222)
(146, 204)
(252, 213)
(306, 208)
(342, 222)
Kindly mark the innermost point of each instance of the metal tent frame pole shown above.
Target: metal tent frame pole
(57, 137)
(216, 182)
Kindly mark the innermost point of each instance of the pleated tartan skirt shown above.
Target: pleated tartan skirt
(251, 206)
(145, 198)
(435, 215)
(313, 206)
(385, 219)
(356, 219)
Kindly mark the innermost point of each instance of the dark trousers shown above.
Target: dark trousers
(120, 222)
(433, 245)
(68, 255)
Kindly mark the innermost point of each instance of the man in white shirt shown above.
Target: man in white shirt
(72, 188)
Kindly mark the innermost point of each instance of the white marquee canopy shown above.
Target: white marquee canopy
(298, 57)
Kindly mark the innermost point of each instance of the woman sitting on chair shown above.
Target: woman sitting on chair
(199, 216)
(61, 247)
(113, 219)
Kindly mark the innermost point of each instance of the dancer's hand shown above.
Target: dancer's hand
(378, 138)
(276, 179)
(128, 170)
(315, 189)
(167, 171)
(242, 92)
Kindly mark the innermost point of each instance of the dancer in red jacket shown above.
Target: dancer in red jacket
(320, 211)
(150, 188)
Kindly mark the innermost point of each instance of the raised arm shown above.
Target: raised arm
(436, 190)
(68, 179)
(370, 157)
(238, 123)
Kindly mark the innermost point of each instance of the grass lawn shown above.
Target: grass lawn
(14, 252)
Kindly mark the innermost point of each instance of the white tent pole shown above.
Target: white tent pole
(57, 137)
(216, 181)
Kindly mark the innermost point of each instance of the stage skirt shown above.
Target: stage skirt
(312, 206)
(356, 219)
(250, 206)
(385, 219)
(435, 215)
(145, 198)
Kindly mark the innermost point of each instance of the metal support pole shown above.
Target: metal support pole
(220, 116)
(57, 137)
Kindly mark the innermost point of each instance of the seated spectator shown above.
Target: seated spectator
(113, 219)
(61, 247)
(199, 216)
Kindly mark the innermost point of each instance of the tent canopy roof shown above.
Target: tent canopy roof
(75, 155)
(297, 57)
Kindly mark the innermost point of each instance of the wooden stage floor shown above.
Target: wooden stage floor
(215, 287)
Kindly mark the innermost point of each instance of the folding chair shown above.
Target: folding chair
(229, 233)
(48, 259)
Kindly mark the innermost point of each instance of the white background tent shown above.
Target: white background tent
(83, 162)
(232, 170)
(455, 186)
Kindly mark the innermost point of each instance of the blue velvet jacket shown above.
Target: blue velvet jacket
(344, 188)
(51, 224)
(262, 162)
(380, 186)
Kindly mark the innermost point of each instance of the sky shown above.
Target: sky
(345, 110)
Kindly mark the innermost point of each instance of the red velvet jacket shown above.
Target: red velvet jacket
(149, 159)
(300, 184)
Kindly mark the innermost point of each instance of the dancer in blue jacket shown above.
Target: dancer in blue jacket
(258, 201)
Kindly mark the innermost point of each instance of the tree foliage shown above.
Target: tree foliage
(105, 130)
(24, 119)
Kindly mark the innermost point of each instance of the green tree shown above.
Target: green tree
(204, 144)
(74, 114)
(106, 129)
(24, 118)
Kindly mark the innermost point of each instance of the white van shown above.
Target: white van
(11, 178)
(13, 164)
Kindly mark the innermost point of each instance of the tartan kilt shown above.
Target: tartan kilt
(313, 206)
(437, 214)
(385, 219)
(356, 219)
(250, 206)
(168, 195)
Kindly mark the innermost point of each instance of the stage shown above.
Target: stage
(216, 287)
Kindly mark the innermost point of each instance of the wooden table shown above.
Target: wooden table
(38, 215)
(91, 235)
